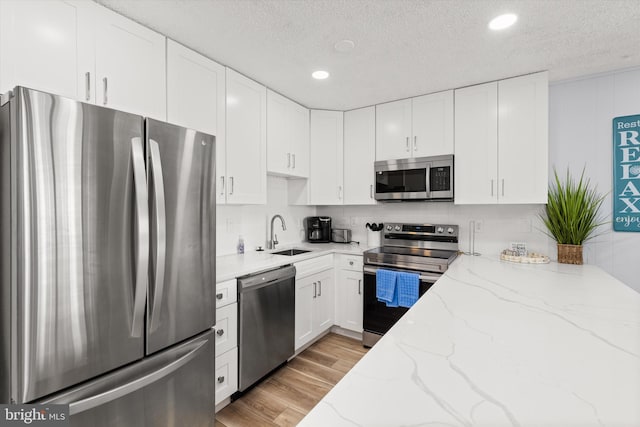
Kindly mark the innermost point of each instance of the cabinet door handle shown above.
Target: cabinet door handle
(288, 160)
(407, 144)
(231, 185)
(319, 288)
(350, 262)
(415, 143)
(87, 86)
(220, 332)
(491, 188)
(104, 87)
(359, 286)
(502, 187)
(314, 289)
(339, 192)
(219, 296)
(220, 379)
(222, 185)
(293, 160)
(371, 191)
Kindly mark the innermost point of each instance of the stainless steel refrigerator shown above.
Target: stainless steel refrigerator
(107, 258)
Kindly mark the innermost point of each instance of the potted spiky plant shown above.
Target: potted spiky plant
(572, 215)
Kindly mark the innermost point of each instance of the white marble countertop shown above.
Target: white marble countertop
(236, 265)
(498, 344)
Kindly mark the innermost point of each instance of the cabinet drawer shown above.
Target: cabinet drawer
(226, 328)
(349, 262)
(315, 265)
(226, 374)
(226, 293)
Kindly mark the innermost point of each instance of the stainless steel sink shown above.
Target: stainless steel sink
(291, 252)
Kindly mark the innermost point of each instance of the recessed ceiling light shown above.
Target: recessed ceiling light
(344, 46)
(320, 74)
(503, 21)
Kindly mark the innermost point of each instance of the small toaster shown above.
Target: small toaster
(341, 235)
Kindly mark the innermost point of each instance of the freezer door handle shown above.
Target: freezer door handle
(160, 233)
(141, 238)
(130, 387)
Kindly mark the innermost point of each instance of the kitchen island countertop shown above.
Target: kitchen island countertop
(499, 344)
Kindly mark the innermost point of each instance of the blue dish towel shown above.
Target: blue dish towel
(386, 287)
(408, 285)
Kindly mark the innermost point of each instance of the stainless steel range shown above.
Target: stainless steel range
(425, 249)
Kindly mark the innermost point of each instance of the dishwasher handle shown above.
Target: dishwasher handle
(264, 278)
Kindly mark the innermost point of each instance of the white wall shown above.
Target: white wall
(252, 221)
(581, 114)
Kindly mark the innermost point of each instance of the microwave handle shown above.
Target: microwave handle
(428, 178)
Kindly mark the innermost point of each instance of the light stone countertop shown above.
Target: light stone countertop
(236, 265)
(499, 344)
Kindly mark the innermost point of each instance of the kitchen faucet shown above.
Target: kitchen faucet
(271, 244)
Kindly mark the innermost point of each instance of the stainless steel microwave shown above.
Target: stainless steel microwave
(421, 178)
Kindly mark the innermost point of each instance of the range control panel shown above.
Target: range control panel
(422, 229)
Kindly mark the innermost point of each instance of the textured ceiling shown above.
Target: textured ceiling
(403, 47)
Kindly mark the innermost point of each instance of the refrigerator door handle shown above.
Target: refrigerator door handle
(142, 237)
(128, 388)
(160, 231)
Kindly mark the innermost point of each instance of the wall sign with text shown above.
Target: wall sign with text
(626, 173)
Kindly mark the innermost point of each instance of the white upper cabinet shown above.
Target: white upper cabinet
(83, 51)
(38, 46)
(196, 99)
(246, 140)
(359, 156)
(130, 65)
(300, 146)
(501, 141)
(415, 127)
(393, 130)
(476, 145)
(523, 139)
(287, 137)
(326, 158)
(432, 124)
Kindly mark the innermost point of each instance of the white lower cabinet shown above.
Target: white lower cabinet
(349, 289)
(226, 328)
(314, 299)
(226, 374)
(226, 340)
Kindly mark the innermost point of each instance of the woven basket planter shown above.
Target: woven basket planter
(570, 254)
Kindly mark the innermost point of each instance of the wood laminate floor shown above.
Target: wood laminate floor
(285, 397)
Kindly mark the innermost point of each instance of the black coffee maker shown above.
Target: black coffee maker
(318, 229)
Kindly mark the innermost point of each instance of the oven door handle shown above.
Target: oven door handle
(424, 277)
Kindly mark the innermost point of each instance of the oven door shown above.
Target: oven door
(377, 317)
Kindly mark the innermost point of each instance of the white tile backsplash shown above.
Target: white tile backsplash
(500, 225)
(252, 221)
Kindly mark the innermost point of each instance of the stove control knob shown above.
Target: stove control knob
(389, 228)
(450, 230)
(440, 230)
(397, 228)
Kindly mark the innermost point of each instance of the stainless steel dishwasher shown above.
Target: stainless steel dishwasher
(267, 320)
